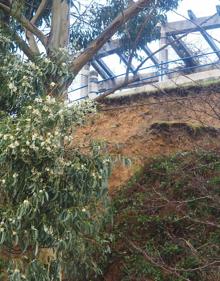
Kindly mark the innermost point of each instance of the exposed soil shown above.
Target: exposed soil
(152, 126)
(143, 128)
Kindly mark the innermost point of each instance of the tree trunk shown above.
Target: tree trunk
(59, 35)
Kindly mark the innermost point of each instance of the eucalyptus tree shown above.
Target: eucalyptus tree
(82, 26)
(53, 193)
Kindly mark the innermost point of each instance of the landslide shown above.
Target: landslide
(153, 125)
(166, 215)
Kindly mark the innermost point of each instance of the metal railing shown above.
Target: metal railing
(162, 69)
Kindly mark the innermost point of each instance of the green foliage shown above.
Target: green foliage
(88, 26)
(48, 198)
(170, 211)
(53, 197)
(22, 81)
(90, 20)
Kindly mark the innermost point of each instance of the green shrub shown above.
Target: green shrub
(52, 204)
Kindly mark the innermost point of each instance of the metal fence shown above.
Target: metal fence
(162, 70)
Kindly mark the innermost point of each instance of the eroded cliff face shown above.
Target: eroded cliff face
(150, 197)
(150, 126)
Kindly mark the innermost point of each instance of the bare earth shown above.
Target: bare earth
(153, 126)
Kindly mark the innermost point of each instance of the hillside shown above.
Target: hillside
(147, 126)
(166, 214)
(166, 221)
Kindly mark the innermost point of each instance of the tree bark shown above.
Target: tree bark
(59, 35)
(30, 37)
(5, 17)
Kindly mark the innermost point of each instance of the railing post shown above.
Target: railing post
(163, 57)
(93, 84)
(84, 81)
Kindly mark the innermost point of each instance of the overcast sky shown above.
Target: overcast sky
(200, 8)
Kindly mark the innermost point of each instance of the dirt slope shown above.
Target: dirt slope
(152, 126)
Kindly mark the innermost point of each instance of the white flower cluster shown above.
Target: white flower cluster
(12, 86)
(43, 128)
(23, 80)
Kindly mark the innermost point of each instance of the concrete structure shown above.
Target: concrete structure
(84, 80)
(194, 79)
(171, 35)
(93, 85)
(164, 53)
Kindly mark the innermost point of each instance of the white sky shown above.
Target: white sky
(200, 8)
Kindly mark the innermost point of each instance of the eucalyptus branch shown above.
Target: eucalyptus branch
(21, 43)
(39, 11)
(29, 35)
(127, 81)
(112, 28)
(147, 18)
(25, 23)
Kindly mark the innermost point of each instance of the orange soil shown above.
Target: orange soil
(127, 129)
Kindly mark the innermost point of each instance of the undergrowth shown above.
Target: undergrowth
(167, 221)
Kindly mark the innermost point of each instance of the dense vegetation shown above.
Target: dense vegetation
(167, 225)
(52, 203)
